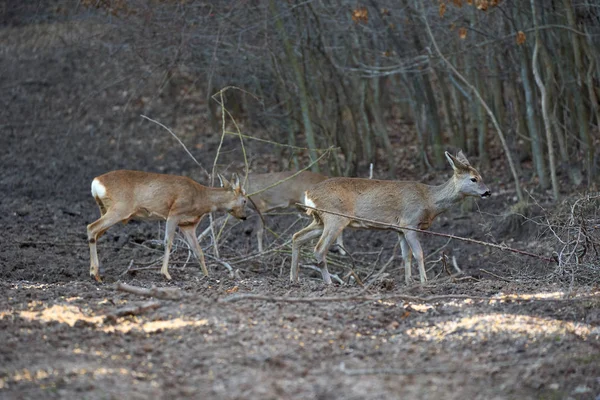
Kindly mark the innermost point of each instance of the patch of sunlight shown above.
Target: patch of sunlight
(153, 326)
(23, 285)
(70, 314)
(60, 313)
(482, 327)
(543, 295)
(420, 307)
(503, 297)
(26, 375)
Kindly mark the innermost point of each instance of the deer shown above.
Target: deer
(404, 204)
(123, 195)
(287, 193)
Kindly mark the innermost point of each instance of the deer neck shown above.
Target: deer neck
(218, 199)
(445, 195)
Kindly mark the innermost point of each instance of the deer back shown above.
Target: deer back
(394, 202)
(286, 193)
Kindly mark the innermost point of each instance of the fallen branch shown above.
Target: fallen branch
(412, 299)
(159, 293)
(358, 297)
(401, 228)
(430, 370)
(133, 310)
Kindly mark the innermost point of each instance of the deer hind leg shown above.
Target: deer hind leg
(406, 257)
(332, 230)
(260, 232)
(189, 232)
(97, 229)
(415, 246)
(302, 236)
(170, 228)
(339, 246)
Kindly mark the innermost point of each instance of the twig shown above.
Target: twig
(128, 268)
(400, 228)
(180, 142)
(455, 265)
(335, 277)
(494, 275)
(223, 263)
(133, 310)
(159, 293)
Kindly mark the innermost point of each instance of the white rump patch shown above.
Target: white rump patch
(308, 201)
(98, 189)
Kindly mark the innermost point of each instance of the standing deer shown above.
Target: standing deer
(124, 195)
(403, 203)
(283, 195)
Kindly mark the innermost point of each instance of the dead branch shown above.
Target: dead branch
(133, 310)
(400, 228)
(431, 370)
(358, 297)
(407, 298)
(495, 275)
(159, 293)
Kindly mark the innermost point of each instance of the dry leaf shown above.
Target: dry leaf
(233, 289)
(482, 5)
(520, 38)
(457, 3)
(442, 9)
(462, 33)
(360, 14)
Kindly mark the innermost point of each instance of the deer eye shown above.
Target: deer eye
(473, 179)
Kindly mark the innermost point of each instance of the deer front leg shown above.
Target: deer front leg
(406, 257)
(170, 228)
(415, 246)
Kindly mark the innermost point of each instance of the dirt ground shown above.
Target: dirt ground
(71, 101)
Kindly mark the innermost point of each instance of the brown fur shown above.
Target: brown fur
(284, 195)
(180, 201)
(403, 203)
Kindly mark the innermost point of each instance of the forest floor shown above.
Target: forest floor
(504, 328)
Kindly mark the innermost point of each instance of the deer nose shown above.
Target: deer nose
(487, 194)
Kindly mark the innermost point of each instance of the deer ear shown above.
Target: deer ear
(224, 182)
(236, 182)
(462, 158)
(455, 163)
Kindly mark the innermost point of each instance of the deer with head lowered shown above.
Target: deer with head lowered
(404, 204)
(280, 190)
(181, 202)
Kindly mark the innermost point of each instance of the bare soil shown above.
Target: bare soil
(71, 100)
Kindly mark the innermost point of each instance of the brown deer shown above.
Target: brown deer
(281, 195)
(402, 203)
(124, 195)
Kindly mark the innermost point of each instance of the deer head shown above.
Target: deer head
(237, 205)
(467, 179)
